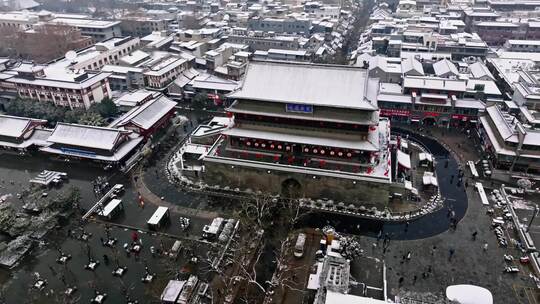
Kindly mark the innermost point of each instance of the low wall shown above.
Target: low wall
(275, 182)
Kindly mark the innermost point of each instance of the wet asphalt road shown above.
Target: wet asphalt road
(426, 226)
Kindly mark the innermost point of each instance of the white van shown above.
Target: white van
(299, 247)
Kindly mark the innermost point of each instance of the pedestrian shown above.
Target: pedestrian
(106, 259)
(400, 281)
(414, 279)
(433, 250)
(450, 254)
(406, 226)
(379, 236)
(485, 246)
(409, 255)
(374, 246)
(424, 275)
(102, 241)
(474, 235)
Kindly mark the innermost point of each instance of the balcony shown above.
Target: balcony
(378, 171)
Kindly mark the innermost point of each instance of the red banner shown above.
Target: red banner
(395, 112)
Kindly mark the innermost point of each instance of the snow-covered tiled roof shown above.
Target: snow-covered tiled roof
(85, 136)
(322, 85)
(13, 126)
(149, 113)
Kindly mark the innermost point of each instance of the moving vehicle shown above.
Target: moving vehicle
(299, 246)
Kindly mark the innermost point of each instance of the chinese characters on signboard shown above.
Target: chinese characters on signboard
(299, 108)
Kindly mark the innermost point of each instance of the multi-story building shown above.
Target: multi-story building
(57, 84)
(148, 118)
(431, 101)
(527, 91)
(102, 53)
(163, 69)
(513, 145)
(124, 78)
(288, 25)
(472, 16)
(514, 45)
(99, 144)
(139, 26)
(264, 43)
(304, 130)
(18, 20)
(98, 29)
(498, 32)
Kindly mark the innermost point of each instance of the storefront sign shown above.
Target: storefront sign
(395, 112)
(299, 108)
(431, 114)
(460, 117)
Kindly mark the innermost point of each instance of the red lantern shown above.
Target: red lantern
(369, 170)
(349, 154)
(340, 153)
(315, 151)
(272, 146)
(229, 114)
(276, 157)
(332, 152)
(256, 144)
(263, 145)
(248, 143)
(287, 148)
(322, 152)
(305, 149)
(279, 147)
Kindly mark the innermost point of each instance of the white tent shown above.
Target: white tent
(403, 159)
(469, 294)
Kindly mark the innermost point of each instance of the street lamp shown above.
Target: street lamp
(536, 210)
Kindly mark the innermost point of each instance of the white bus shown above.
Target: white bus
(159, 217)
(111, 209)
(299, 247)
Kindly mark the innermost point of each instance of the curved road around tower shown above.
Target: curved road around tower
(423, 227)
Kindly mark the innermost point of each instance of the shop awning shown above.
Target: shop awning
(404, 159)
(425, 156)
(430, 179)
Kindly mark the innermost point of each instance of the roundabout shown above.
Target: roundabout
(454, 198)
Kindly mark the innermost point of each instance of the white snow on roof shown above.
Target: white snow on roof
(434, 83)
(12, 126)
(322, 85)
(85, 136)
(135, 57)
(489, 86)
(444, 67)
(479, 70)
(172, 291)
(212, 82)
(411, 64)
(146, 115)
